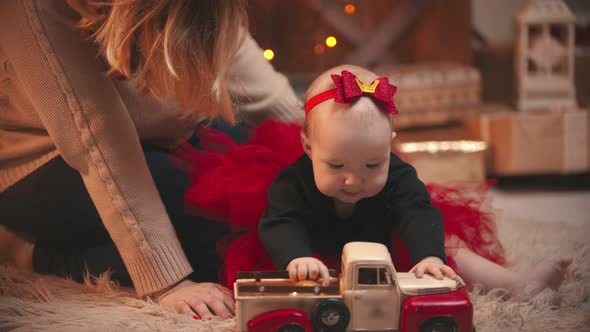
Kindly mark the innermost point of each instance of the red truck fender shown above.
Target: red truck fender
(281, 320)
(438, 312)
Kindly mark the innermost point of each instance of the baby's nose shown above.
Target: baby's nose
(353, 180)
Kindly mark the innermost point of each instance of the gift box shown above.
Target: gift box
(446, 162)
(529, 143)
(477, 126)
(434, 94)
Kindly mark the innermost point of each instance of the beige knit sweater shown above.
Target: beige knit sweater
(55, 99)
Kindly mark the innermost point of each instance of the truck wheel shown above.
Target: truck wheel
(439, 324)
(330, 315)
(291, 328)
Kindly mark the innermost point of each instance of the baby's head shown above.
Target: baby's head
(349, 143)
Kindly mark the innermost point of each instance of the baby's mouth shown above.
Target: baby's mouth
(349, 193)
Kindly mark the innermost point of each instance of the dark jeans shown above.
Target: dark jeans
(52, 207)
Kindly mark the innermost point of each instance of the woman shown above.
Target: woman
(95, 97)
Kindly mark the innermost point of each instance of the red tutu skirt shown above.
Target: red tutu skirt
(230, 181)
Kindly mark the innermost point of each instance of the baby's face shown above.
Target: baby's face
(350, 156)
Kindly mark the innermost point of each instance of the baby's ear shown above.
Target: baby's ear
(305, 144)
(393, 134)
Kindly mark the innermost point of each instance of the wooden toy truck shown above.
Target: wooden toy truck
(368, 296)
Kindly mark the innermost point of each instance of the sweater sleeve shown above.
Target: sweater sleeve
(420, 223)
(260, 91)
(282, 229)
(91, 128)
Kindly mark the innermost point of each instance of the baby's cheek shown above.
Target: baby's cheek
(326, 185)
(321, 182)
(377, 184)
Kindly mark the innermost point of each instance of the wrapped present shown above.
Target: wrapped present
(451, 132)
(477, 126)
(446, 162)
(434, 94)
(529, 143)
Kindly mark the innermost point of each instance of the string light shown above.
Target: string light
(349, 9)
(269, 54)
(443, 146)
(331, 41)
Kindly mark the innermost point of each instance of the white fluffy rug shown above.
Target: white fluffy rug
(29, 302)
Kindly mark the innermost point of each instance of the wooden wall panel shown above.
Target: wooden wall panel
(441, 32)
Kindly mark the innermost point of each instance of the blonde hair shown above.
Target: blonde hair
(179, 49)
(324, 82)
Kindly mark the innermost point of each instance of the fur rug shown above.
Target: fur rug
(29, 302)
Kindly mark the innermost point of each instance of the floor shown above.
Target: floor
(547, 199)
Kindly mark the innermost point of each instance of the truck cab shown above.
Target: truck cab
(369, 288)
(374, 291)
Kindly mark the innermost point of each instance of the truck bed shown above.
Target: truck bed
(259, 292)
(277, 283)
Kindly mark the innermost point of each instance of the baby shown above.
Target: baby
(348, 186)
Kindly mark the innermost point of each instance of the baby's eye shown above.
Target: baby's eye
(335, 165)
(372, 165)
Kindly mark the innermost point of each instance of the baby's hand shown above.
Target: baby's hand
(308, 268)
(435, 267)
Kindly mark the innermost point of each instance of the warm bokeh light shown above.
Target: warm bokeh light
(349, 9)
(269, 54)
(319, 49)
(331, 41)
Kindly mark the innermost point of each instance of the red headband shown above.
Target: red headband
(349, 89)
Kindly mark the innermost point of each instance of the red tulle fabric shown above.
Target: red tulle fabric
(230, 183)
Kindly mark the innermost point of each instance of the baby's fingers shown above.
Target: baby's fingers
(313, 270)
(325, 274)
(435, 270)
(302, 272)
(419, 270)
(292, 271)
(449, 272)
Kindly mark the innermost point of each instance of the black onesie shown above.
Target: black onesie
(299, 220)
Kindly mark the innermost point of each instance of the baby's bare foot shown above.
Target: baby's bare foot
(549, 273)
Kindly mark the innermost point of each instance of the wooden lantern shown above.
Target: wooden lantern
(544, 57)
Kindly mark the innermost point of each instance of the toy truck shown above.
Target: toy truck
(369, 295)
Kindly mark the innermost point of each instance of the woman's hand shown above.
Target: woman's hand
(435, 267)
(203, 299)
(308, 268)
